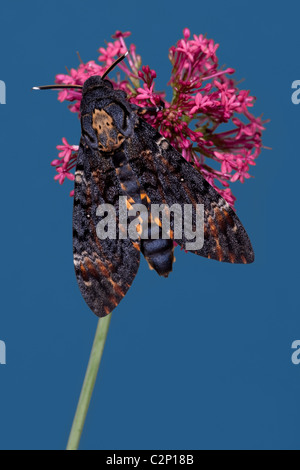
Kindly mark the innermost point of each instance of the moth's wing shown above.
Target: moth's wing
(168, 178)
(105, 269)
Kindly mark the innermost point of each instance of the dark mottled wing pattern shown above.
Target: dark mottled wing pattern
(168, 178)
(105, 269)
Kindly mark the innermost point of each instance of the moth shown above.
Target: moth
(120, 154)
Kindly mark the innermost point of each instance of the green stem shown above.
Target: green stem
(89, 383)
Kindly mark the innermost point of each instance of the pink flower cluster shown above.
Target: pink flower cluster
(205, 97)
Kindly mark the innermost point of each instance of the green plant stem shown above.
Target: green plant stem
(89, 383)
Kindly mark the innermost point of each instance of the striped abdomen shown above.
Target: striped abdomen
(159, 253)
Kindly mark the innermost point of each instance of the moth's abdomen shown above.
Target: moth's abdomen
(159, 255)
(158, 251)
(128, 180)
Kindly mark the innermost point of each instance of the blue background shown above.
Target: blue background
(201, 360)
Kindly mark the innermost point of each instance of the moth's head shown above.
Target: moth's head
(94, 83)
(97, 82)
(102, 130)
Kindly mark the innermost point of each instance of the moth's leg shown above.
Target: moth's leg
(131, 118)
(137, 110)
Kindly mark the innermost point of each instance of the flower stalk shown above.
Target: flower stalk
(89, 383)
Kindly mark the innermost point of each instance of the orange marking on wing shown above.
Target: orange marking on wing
(113, 301)
(103, 269)
(107, 310)
(118, 289)
(215, 234)
(145, 196)
(136, 245)
(219, 252)
(243, 259)
(232, 258)
(84, 273)
(129, 206)
(213, 228)
(91, 267)
(220, 219)
(229, 218)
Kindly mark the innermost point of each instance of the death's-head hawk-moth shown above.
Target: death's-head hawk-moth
(122, 156)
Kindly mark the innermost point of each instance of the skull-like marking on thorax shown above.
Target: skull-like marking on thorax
(109, 138)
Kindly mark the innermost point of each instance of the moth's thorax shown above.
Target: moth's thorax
(108, 135)
(107, 118)
(96, 85)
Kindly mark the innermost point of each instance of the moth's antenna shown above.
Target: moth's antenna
(114, 64)
(79, 87)
(58, 87)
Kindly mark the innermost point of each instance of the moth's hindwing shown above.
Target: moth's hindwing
(167, 178)
(105, 269)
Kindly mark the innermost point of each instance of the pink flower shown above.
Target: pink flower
(109, 53)
(186, 33)
(66, 150)
(205, 98)
(186, 48)
(227, 161)
(63, 173)
(119, 34)
(242, 172)
(202, 102)
(66, 162)
(146, 93)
